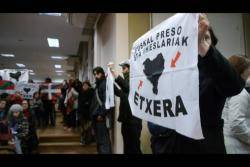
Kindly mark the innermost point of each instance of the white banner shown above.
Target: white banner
(109, 90)
(15, 76)
(27, 89)
(164, 77)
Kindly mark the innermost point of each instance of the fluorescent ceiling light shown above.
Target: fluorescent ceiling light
(58, 57)
(32, 73)
(59, 74)
(20, 65)
(7, 55)
(51, 14)
(53, 42)
(58, 66)
(59, 71)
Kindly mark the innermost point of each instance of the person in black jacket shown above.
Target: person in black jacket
(131, 126)
(84, 102)
(99, 114)
(218, 80)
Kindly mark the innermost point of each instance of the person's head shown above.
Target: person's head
(99, 73)
(241, 64)
(210, 37)
(2, 104)
(16, 110)
(30, 81)
(25, 104)
(48, 80)
(86, 85)
(1, 78)
(36, 95)
(18, 93)
(71, 82)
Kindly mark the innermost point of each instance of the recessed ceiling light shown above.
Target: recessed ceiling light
(51, 14)
(53, 42)
(58, 66)
(7, 55)
(58, 71)
(20, 65)
(58, 57)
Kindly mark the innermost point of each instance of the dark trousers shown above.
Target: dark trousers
(71, 119)
(49, 112)
(102, 138)
(131, 134)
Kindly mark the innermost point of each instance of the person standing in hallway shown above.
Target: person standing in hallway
(217, 81)
(71, 103)
(99, 113)
(49, 107)
(31, 140)
(131, 126)
(62, 106)
(84, 100)
(236, 113)
(19, 126)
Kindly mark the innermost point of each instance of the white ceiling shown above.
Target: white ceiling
(33, 51)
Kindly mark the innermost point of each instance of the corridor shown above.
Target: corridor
(56, 140)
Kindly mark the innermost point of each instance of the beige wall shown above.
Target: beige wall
(139, 23)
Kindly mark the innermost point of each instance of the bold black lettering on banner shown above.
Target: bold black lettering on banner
(157, 107)
(167, 105)
(179, 107)
(148, 109)
(142, 99)
(136, 98)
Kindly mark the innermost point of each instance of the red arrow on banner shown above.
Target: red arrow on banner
(140, 84)
(173, 61)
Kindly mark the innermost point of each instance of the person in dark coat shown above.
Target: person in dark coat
(100, 113)
(84, 102)
(131, 126)
(218, 80)
(30, 144)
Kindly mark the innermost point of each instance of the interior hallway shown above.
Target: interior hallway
(55, 140)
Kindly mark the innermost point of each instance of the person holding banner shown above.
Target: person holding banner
(99, 113)
(131, 126)
(217, 81)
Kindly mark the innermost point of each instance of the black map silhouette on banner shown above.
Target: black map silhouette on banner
(16, 75)
(26, 90)
(153, 70)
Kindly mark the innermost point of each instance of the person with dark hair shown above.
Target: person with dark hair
(1, 78)
(30, 142)
(61, 106)
(131, 126)
(71, 103)
(236, 113)
(99, 113)
(49, 106)
(37, 107)
(217, 81)
(84, 102)
(5, 135)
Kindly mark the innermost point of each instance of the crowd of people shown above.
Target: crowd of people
(224, 97)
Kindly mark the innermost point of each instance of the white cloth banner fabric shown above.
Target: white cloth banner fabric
(110, 97)
(164, 76)
(15, 76)
(27, 89)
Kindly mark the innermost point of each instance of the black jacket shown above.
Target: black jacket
(125, 114)
(84, 102)
(100, 110)
(218, 80)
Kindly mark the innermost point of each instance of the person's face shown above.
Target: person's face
(25, 105)
(125, 69)
(18, 93)
(16, 114)
(97, 75)
(246, 74)
(208, 38)
(85, 87)
(2, 104)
